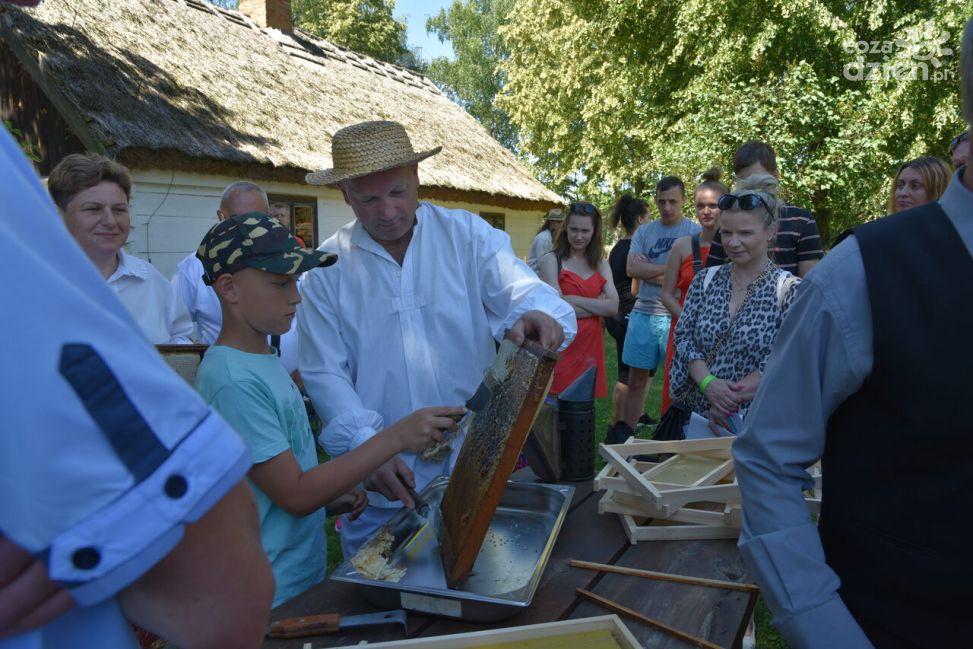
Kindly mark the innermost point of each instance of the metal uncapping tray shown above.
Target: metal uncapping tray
(507, 570)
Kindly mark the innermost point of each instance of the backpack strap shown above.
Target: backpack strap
(697, 258)
(784, 282)
(710, 272)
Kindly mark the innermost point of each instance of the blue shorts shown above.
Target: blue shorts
(645, 340)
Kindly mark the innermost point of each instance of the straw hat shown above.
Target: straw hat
(366, 148)
(555, 215)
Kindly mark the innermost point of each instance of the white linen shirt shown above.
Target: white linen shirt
(151, 300)
(200, 299)
(379, 341)
(95, 426)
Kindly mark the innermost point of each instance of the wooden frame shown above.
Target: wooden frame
(564, 634)
(183, 359)
(693, 494)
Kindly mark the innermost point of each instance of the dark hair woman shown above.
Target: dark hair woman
(628, 213)
(576, 267)
(687, 257)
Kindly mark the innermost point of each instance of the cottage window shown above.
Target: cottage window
(496, 219)
(303, 216)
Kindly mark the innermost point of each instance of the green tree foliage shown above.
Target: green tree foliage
(365, 26)
(30, 149)
(608, 95)
(473, 79)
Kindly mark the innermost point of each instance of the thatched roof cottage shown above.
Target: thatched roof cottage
(192, 97)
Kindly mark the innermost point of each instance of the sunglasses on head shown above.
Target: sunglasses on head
(959, 139)
(586, 209)
(746, 201)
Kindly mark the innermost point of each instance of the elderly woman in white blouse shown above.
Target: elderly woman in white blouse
(92, 194)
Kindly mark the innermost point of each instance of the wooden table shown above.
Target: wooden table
(719, 616)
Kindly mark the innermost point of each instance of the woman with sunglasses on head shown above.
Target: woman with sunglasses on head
(576, 267)
(687, 258)
(918, 182)
(732, 313)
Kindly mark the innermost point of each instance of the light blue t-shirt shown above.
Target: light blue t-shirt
(654, 240)
(255, 394)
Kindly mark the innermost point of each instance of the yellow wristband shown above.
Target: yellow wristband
(705, 383)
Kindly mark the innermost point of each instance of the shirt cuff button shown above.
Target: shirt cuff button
(86, 558)
(176, 486)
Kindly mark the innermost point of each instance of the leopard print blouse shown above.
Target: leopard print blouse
(705, 318)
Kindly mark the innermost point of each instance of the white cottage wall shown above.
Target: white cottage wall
(521, 225)
(171, 211)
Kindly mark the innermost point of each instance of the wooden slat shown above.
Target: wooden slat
(615, 607)
(720, 616)
(665, 576)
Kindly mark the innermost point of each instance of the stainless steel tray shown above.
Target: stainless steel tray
(508, 568)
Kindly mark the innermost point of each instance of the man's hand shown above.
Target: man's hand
(391, 480)
(539, 327)
(28, 598)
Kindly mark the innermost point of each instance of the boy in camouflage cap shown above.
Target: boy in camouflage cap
(252, 263)
(256, 240)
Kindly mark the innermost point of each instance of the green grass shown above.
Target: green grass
(603, 407)
(767, 636)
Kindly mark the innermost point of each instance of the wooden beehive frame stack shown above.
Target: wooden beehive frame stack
(692, 494)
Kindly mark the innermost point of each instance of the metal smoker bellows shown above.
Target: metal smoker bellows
(576, 420)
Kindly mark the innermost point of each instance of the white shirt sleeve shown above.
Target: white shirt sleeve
(184, 286)
(178, 322)
(510, 289)
(106, 452)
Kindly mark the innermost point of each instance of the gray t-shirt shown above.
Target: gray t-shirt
(654, 240)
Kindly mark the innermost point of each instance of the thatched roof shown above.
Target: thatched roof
(180, 83)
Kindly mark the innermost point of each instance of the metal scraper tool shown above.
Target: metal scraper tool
(414, 541)
(475, 404)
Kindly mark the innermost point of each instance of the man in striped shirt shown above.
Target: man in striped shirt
(798, 245)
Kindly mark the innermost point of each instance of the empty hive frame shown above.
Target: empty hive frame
(690, 495)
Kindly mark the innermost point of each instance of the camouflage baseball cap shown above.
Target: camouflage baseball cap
(256, 240)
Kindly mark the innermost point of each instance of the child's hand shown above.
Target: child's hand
(352, 503)
(425, 427)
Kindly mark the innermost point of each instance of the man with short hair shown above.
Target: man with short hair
(649, 321)
(878, 398)
(411, 314)
(282, 212)
(798, 245)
